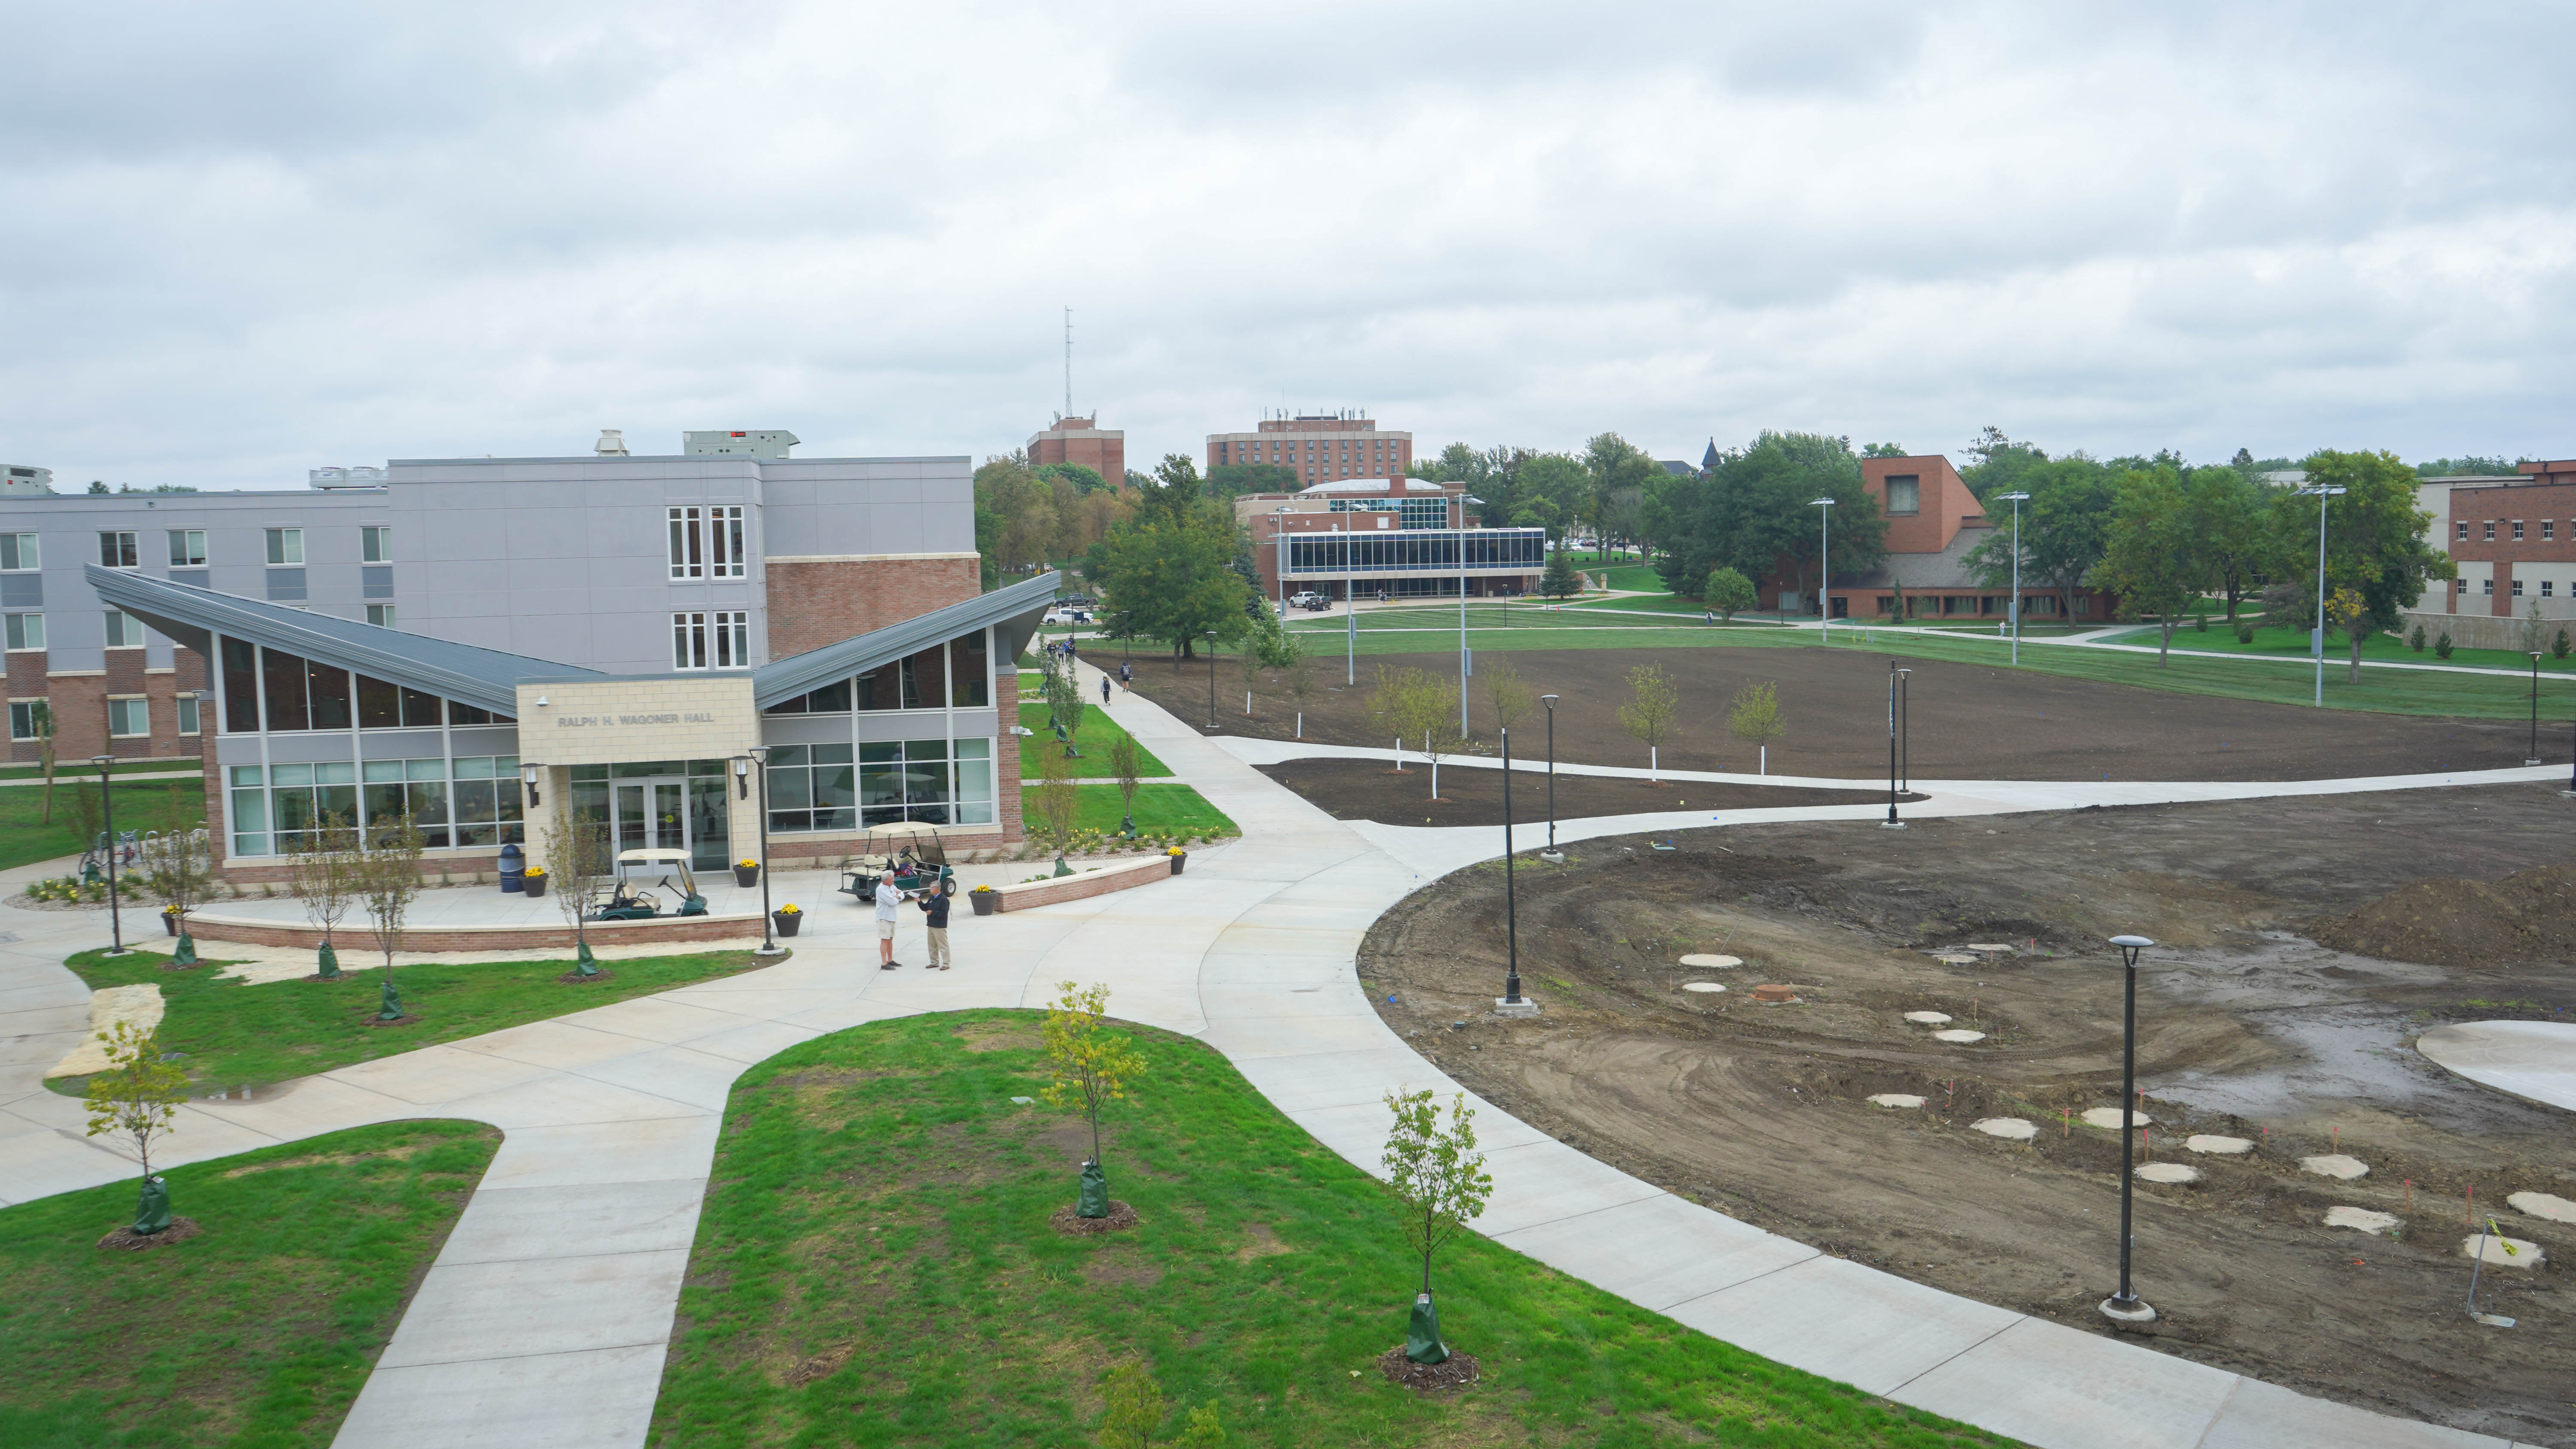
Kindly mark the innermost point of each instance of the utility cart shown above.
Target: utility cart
(909, 852)
(628, 900)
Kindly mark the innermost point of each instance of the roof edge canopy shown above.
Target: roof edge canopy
(467, 673)
(1013, 612)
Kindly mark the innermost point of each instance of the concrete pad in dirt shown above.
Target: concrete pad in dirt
(2533, 1060)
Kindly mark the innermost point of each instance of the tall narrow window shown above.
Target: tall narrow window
(286, 545)
(717, 640)
(725, 559)
(17, 552)
(188, 717)
(688, 546)
(187, 548)
(688, 639)
(733, 639)
(117, 551)
(376, 543)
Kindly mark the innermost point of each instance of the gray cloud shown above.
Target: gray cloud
(247, 239)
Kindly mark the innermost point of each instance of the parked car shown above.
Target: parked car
(1310, 600)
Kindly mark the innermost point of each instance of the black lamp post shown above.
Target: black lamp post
(768, 923)
(2534, 758)
(107, 802)
(1905, 726)
(1550, 701)
(1211, 643)
(1891, 822)
(2126, 1306)
(1511, 912)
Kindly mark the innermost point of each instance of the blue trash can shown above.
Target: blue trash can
(514, 870)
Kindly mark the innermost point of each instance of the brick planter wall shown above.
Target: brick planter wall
(217, 927)
(1083, 885)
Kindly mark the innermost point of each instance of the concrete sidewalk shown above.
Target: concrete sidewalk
(545, 1318)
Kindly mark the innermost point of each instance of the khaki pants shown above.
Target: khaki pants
(938, 945)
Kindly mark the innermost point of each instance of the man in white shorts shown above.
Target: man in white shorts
(888, 899)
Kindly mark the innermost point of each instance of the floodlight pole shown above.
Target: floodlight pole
(2534, 757)
(1905, 726)
(1550, 701)
(2318, 648)
(1211, 641)
(1350, 611)
(768, 923)
(1824, 568)
(1465, 666)
(2125, 1306)
(1511, 915)
(2012, 609)
(107, 803)
(1891, 822)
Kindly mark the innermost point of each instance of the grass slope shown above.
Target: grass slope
(1100, 730)
(1160, 810)
(2379, 648)
(238, 1034)
(259, 1331)
(143, 805)
(874, 1267)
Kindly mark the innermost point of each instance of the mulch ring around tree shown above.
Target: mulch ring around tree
(575, 978)
(180, 1230)
(318, 976)
(405, 1019)
(1070, 1223)
(1455, 1372)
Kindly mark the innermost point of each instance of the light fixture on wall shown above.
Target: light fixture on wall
(742, 777)
(543, 702)
(528, 776)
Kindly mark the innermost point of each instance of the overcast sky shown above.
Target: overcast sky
(241, 240)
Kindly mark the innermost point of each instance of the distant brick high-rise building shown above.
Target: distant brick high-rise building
(1084, 443)
(1323, 448)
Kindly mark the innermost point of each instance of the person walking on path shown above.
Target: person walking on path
(1126, 675)
(1104, 691)
(934, 906)
(888, 900)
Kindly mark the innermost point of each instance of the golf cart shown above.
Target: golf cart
(909, 852)
(627, 901)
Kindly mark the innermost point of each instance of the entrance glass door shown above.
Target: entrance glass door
(652, 814)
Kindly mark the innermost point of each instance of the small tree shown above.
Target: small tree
(2415, 640)
(2347, 610)
(1059, 802)
(322, 874)
(1091, 1068)
(43, 713)
(577, 860)
(1561, 581)
(388, 881)
(1440, 1177)
(1727, 591)
(139, 1095)
(1300, 679)
(1507, 693)
(2558, 647)
(1754, 716)
(1654, 700)
(177, 867)
(1125, 765)
(87, 814)
(1134, 1414)
(2442, 646)
(2533, 632)
(1427, 714)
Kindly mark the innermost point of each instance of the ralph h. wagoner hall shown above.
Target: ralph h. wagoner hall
(609, 632)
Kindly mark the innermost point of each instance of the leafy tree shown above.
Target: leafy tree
(2375, 541)
(2064, 529)
(43, 711)
(1754, 717)
(2495, 467)
(2153, 559)
(1754, 512)
(1084, 480)
(2002, 465)
(1059, 804)
(1507, 694)
(1492, 474)
(1561, 580)
(1171, 567)
(1618, 472)
(1133, 1414)
(98, 485)
(1126, 766)
(1440, 1178)
(1552, 491)
(1233, 480)
(578, 861)
(1091, 1067)
(322, 875)
(139, 1095)
(1883, 450)
(1654, 702)
(1021, 526)
(388, 882)
(2242, 462)
(178, 869)
(2230, 520)
(1726, 592)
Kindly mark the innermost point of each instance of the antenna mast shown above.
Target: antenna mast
(1068, 362)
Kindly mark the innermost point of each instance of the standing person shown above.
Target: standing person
(1104, 691)
(1126, 675)
(934, 906)
(888, 899)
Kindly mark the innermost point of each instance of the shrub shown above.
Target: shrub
(2442, 647)
(2415, 641)
(2559, 646)
(2244, 633)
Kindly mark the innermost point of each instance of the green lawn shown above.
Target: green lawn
(143, 805)
(1100, 730)
(64, 771)
(874, 1267)
(2383, 648)
(1160, 810)
(257, 1332)
(238, 1034)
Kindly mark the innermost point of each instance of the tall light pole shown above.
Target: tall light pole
(1211, 644)
(2012, 610)
(2126, 1305)
(759, 756)
(1824, 567)
(1511, 913)
(2317, 642)
(2534, 757)
(1550, 701)
(107, 802)
(1905, 726)
(1350, 610)
(1891, 822)
(1466, 661)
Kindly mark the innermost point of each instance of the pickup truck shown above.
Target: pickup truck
(1311, 600)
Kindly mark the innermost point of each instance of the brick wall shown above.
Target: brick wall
(1006, 769)
(214, 926)
(814, 602)
(80, 705)
(2537, 507)
(1083, 886)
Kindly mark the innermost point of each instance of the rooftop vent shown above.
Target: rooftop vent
(612, 443)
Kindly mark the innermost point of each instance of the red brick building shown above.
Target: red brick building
(1322, 447)
(1083, 443)
(1934, 521)
(2515, 543)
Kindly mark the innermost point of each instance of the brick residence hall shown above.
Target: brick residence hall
(476, 640)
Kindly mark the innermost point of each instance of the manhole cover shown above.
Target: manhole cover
(1773, 991)
(1702, 986)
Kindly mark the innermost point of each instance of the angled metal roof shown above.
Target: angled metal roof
(466, 672)
(1015, 611)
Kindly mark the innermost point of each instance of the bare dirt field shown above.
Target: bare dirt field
(1473, 795)
(1966, 721)
(2247, 1028)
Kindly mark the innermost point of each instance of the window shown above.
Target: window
(383, 706)
(711, 640)
(286, 545)
(2461, 586)
(2490, 530)
(2549, 528)
(812, 787)
(26, 631)
(376, 544)
(724, 542)
(2517, 530)
(188, 716)
(2464, 530)
(187, 548)
(127, 718)
(27, 718)
(395, 788)
(1904, 495)
(2486, 587)
(487, 801)
(2517, 588)
(2545, 585)
(688, 547)
(124, 631)
(381, 615)
(17, 552)
(117, 551)
(2084, 603)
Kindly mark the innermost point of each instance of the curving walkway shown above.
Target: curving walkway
(545, 1318)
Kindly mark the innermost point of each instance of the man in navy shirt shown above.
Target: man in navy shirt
(935, 907)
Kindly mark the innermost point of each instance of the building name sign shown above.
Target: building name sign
(618, 721)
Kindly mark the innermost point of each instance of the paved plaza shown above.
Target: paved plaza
(544, 1320)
